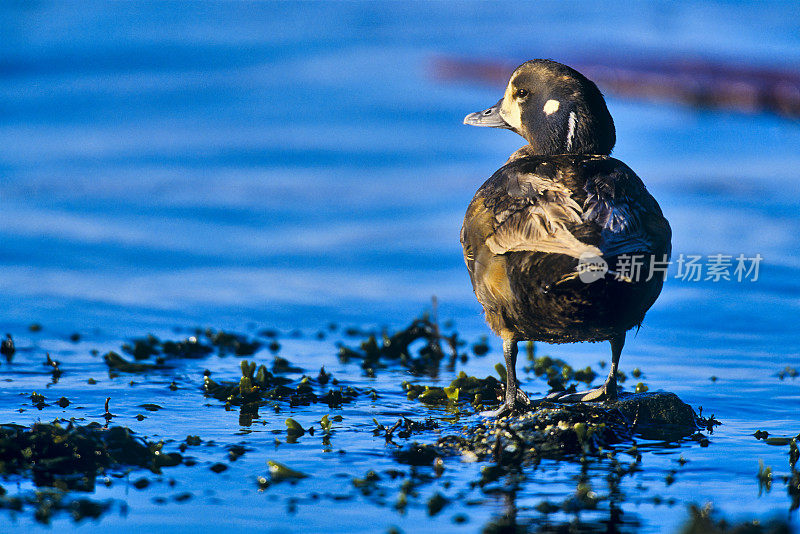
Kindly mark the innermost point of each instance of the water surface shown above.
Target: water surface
(248, 166)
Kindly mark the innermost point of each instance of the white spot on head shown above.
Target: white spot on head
(573, 121)
(509, 109)
(551, 106)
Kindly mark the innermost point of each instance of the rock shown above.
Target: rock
(657, 415)
(553, 430)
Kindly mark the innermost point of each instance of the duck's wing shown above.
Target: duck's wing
(522, 207)
(529, 209)
(629, 218)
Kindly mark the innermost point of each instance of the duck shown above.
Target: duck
(563, 243)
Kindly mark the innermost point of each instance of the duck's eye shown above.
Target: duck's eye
(522, 93)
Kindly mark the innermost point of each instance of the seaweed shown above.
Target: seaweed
(704, 521)
(200, 345)
(115, 362)
(258, 386)
(7, 348)
(462, 390)
(71, 457)
(396, 348)
(559, 373)
(48, 502)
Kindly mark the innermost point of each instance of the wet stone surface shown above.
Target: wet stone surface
(553, 430)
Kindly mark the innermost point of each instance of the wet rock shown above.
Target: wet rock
(658, 415)
(553, 430)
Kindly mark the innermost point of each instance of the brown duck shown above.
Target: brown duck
(563, 243)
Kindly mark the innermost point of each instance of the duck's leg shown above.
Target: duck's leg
(608, 391)
(515, 398)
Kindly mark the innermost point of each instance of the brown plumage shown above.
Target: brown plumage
(556, 203)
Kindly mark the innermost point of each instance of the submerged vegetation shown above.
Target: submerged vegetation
(62, 458)
(430, 445)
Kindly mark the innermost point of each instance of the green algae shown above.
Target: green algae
(281, 472)
(570, 438)
(463, 389)
(47, 503)
(396, 348)
(203, 343)
(72, 456)
(258, 386)
(705, 521)
(116, 362)
(787, 371)
(559, 373)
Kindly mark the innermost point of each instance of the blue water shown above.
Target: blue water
(169, 165)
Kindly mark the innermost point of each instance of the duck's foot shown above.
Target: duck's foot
(521, 404)
(503, 410)
(603, 393)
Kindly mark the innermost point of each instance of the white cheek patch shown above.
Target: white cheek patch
(510, 111)
(551, 106)
(573, 121)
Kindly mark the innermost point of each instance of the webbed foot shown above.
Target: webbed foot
(603, 393)
(521, 404)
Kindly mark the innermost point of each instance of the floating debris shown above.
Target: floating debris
(117, 363)
(38, 400)
(7, 348)
(791, 372)
(279, 472)
(293, 428)
(282, 365)
(481, 348)
(218, 467)
(56, 371)
(406, 427)
(436, 503)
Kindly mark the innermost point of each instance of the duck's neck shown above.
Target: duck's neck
(522, 152)
(528, 150)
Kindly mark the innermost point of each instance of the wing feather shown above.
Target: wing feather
(536, 215)
(629, 219)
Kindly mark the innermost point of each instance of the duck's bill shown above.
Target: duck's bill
(488, 117)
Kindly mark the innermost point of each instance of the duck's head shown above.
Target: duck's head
(555, 108)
